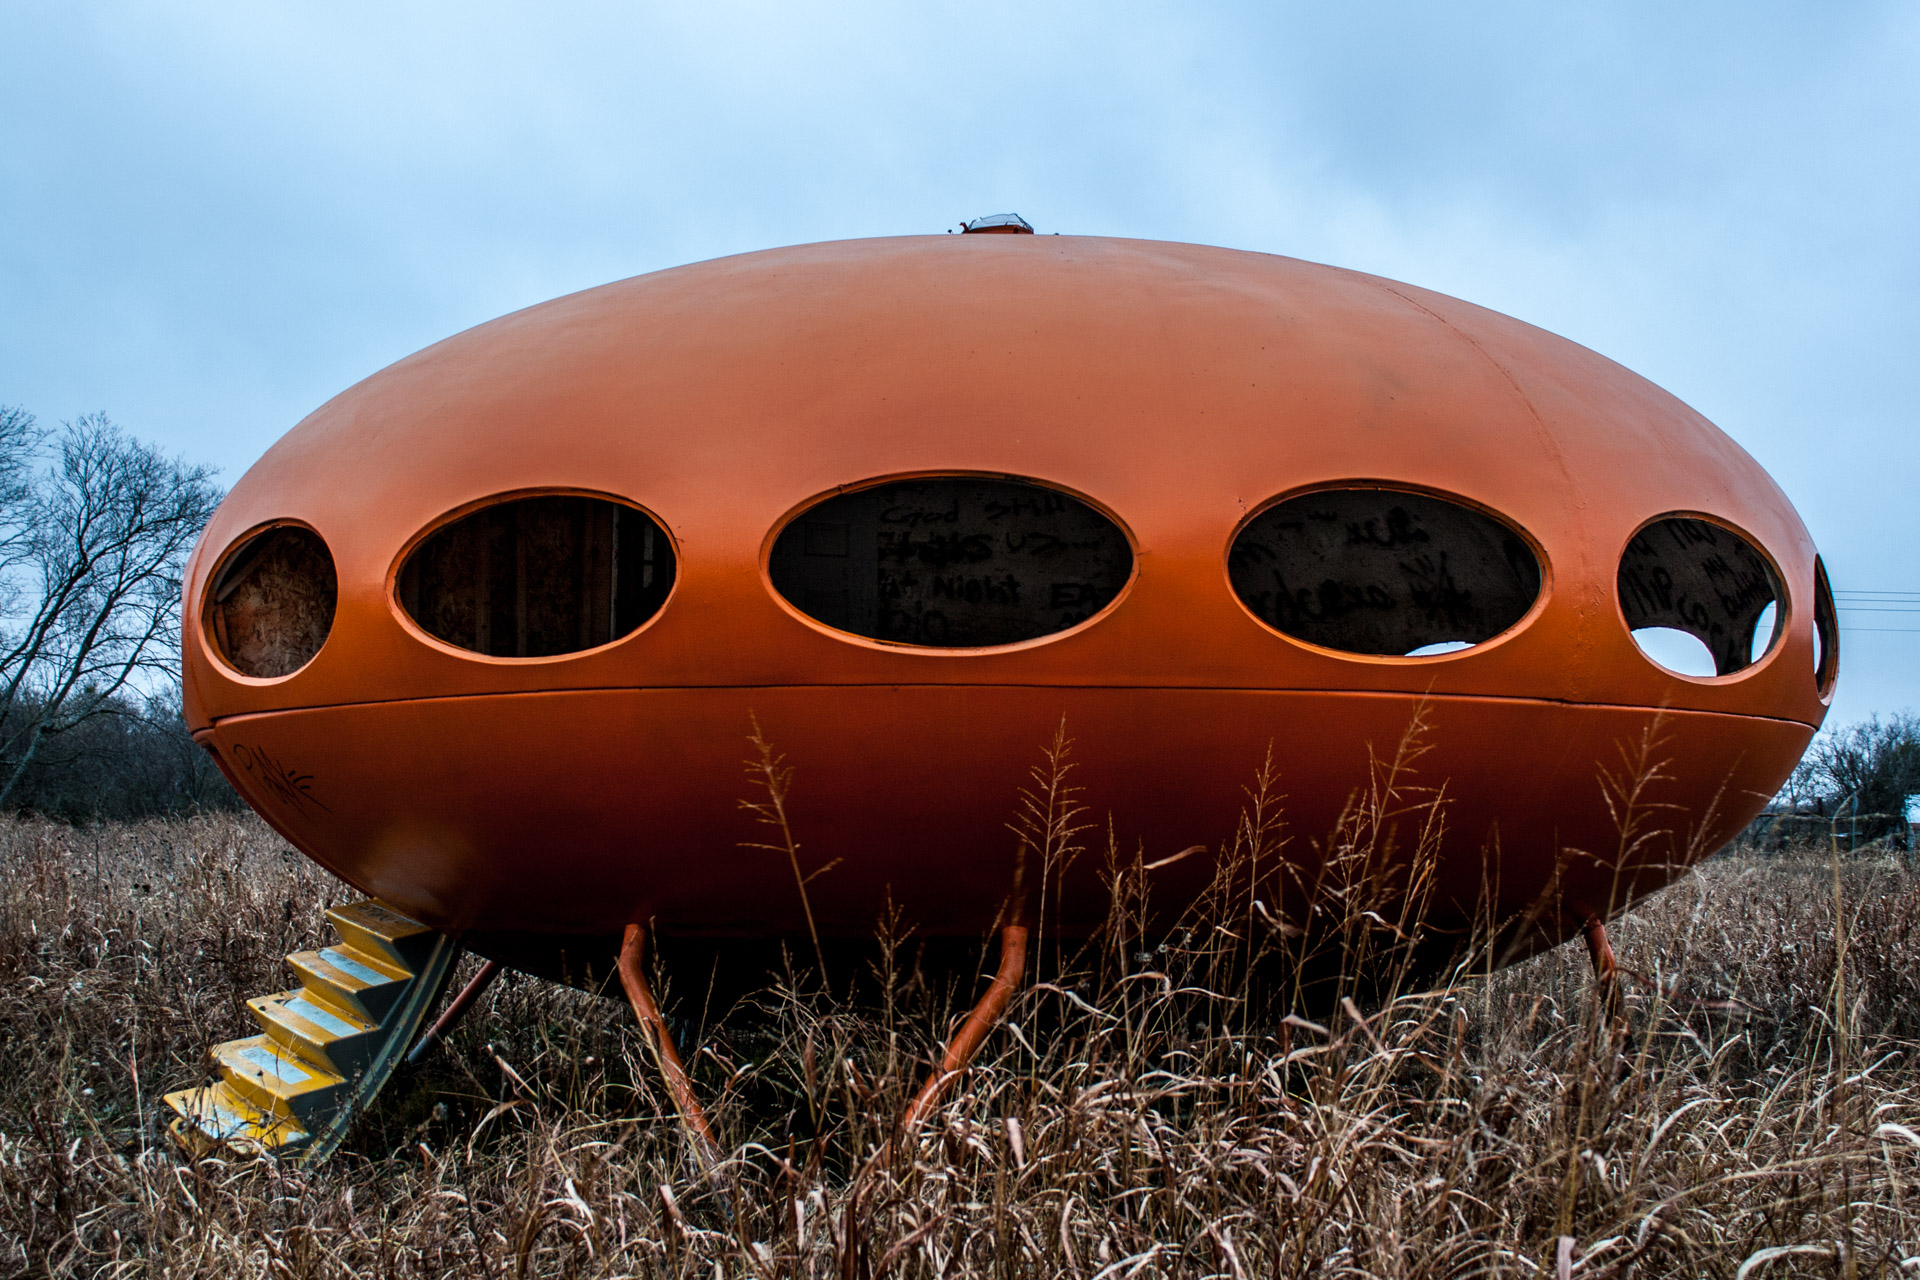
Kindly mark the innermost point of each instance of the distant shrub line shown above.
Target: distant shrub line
(130, 761)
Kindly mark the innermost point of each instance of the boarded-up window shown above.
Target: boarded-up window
(534, 577)
(1380, 571)
(951, 562)
(272, 603)
(1703, 579)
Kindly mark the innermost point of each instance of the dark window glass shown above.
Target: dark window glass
(534, 577)
(951, 562)
(1380, 571)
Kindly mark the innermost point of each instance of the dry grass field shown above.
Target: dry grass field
(1754, 1112)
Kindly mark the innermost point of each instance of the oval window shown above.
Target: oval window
(951, 562)
(1381, 571)
(1694, 576)
(272, 603)
(1826, 632)
(535, 577)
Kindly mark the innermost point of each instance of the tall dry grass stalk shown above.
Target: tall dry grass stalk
(1159, 1102)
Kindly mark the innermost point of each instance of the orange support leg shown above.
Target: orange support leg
(633, 977)
(973, 1032)
(1605, 967)
(455, 1011)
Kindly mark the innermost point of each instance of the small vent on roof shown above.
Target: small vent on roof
(1003, 223)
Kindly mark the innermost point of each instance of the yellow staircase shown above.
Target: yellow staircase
(326, 1048)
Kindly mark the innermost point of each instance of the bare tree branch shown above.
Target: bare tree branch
(95, 528)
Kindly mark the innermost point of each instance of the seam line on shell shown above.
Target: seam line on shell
(975, 687)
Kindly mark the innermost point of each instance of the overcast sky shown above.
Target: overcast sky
(215, 216)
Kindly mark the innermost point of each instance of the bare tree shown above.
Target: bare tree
(1866, 772)
(21, 441)
(95, 528)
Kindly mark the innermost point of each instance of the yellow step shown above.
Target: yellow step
(272, 1081)
(349, 981)
(324, 1046)
(303, 1027)
(213, 1117)
(381, 931)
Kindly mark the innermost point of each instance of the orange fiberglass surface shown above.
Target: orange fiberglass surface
(487, 633)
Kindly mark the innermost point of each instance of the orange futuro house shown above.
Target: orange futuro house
(487, 633)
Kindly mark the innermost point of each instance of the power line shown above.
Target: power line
(1878, 600)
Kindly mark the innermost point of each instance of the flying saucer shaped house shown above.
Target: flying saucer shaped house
(486, 634)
